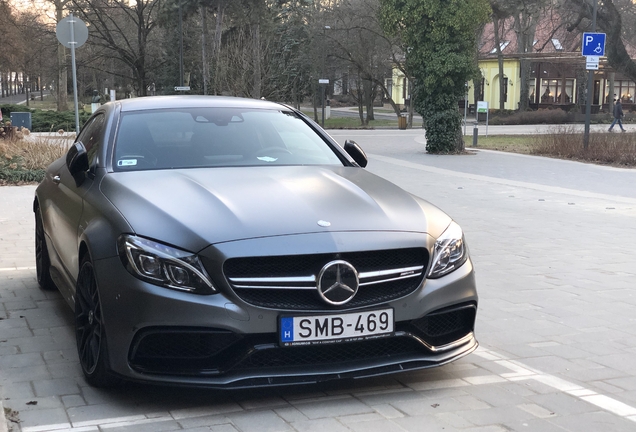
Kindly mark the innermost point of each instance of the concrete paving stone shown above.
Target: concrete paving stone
(562, 404)
(539, 425)
(437, 384)
(585, 375)
(453, 421)
(428, 423)
(91, 413)
(222, 428)
(7, 350)
(393, 395)
(60, 356)
(495, 415)
(73, 400)
(11, 323)
(332, 408)
(21, 390)
(59, 387)
(593, 421)
(40, 417)
(65, 370)
(290, 414)
(319, 425)
(357, 418)
(263, 403)
(15, 333)
(624, 382)
(21, 360)
(566, 351)
(210, 410)
(258, 421)
(498, 395)
(435, 405)
(154, 426)
(387, 411)
(203, 421)
(19, 305)
(536, 410)
(625, 362)
(30, 373)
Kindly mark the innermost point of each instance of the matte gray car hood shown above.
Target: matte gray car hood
(196, 207)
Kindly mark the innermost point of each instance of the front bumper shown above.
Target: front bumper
(160, 335)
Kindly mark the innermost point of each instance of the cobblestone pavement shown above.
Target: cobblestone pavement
(554, 247)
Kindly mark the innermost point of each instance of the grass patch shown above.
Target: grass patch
(510, 143)
(354, 122)
(24, 159)
(618, 149)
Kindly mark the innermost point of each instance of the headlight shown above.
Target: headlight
(449, 252)
(164, 265)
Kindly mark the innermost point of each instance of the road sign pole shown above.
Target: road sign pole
(590, 84)
(77, 123)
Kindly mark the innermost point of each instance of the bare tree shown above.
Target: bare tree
(123, 29)
(609, 18)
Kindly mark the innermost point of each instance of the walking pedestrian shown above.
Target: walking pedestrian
(618, 114)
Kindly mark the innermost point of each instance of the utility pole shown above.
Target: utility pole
(590, 85)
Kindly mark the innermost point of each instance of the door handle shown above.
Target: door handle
(57, 179)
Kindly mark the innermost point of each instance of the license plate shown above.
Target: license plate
(320, 329)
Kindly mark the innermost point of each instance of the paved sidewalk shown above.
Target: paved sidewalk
(553, 243)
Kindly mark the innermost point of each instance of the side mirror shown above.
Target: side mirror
(77, 161)
(356, 152)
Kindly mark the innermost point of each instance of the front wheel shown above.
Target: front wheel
(89, 329)
(42, 260)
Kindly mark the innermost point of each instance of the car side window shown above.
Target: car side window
(92, 136)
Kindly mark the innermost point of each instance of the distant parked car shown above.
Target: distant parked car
(231, 242)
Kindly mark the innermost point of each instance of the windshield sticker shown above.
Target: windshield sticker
(126, 162)
(267, 159)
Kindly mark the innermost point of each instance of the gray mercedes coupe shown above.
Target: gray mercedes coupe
(228, 242)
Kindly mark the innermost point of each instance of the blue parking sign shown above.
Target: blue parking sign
(593, 44)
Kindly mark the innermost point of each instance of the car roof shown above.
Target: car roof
(193, 101)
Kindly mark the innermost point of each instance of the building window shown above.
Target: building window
(553, 91)
(532, 96)
(557, 45)
(502, 46)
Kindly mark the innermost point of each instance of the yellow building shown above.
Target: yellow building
(490, 83)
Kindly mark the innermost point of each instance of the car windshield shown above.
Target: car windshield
(214, 137)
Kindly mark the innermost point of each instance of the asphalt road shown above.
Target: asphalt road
(553, 243)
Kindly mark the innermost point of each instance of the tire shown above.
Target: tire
(89, 329)
(42, 260)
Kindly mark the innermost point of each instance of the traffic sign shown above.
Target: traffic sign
(182, 88)
(591, 62)
(75, 36)
(593, 44)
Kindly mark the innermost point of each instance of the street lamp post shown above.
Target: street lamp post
(323, 88)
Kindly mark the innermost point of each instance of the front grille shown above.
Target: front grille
(332, 354)
(193, 352)
(288, 282)
(161, 348)
(443, 327)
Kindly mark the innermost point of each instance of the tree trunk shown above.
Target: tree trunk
(610, 101)
(502, 89)
(368, 99)
(204, 55)
(256, 52)
(216, 46)
(62, 91)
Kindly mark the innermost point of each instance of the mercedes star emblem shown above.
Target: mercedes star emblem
(338, 282)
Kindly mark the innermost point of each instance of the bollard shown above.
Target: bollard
(475, 134)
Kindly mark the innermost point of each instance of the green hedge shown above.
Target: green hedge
(46, 120)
